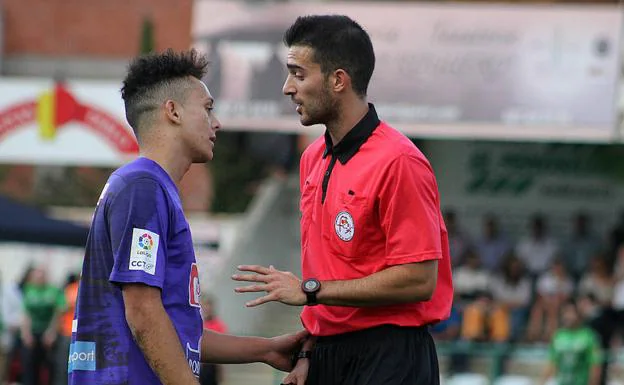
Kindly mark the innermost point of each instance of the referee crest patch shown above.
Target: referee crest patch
(344, 226)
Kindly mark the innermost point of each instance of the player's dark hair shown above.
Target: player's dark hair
(338, 43)
(154, 78)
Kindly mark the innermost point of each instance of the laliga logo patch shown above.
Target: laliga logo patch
(144, 251)
(344, 226)
(194, 289)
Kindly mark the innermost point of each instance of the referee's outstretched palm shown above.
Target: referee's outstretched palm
(280, 286)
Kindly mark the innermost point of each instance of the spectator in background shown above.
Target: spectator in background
(12, 317)
(449, 331)
(70, 293)
(575, 353)
(4, 348)
(43, 304)
(554, 287)
(499, 314)
(618, 266)
(470, 280)
(616, 237)
(617, 302)
(512, 291)
(581, 246)
(598, 282)
(538, 249)
(493, 245)
(602, 322)
(471, 284)
(211, 374)
(485, 321)
(459, 242)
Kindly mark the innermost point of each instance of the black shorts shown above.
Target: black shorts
(208, 374)
(384, 355)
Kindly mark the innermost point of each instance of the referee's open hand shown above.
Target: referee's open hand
(281, 286)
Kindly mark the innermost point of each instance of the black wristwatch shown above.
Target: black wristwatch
(310, 287)
(302, 354)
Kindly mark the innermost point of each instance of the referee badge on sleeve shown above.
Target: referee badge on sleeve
(344, 226)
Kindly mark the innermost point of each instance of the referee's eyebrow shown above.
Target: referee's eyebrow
(294, 67)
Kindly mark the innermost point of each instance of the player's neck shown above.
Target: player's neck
(171, 159)
(349, 115)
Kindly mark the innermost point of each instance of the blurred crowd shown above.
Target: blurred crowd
(505, 291)
(36, 328)
(508, 291)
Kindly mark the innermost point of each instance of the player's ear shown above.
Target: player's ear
(340, 81)
(172, 112)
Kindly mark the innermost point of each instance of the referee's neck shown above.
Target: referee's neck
(349, 115)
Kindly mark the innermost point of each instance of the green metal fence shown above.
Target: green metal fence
(497, 353)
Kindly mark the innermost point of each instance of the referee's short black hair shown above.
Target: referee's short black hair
(154, 78)
(338, 43)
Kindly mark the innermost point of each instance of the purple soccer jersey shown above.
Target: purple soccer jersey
(138, 235)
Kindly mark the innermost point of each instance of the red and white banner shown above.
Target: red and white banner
(64, 123)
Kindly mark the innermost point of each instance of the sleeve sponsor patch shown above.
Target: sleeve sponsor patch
(82, 356)
(144, 251)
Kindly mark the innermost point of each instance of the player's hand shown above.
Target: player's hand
(282, 349)
(280, 286)
(299, 374)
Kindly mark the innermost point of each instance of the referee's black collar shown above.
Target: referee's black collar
(351, 143)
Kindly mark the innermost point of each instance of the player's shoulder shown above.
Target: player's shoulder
(140, 172)
(135, 179)
(139, 169)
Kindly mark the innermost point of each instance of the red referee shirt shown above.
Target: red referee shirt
(369, 203)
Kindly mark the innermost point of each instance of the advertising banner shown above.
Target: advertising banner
(515, 181)
(63, 123)
(460, 70)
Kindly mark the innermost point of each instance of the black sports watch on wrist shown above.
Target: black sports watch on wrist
(305, 354)
(302, 354)
(311, 287)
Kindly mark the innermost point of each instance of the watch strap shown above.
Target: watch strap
(311, 299)
(302, 354)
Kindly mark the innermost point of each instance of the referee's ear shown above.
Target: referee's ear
(340, 81)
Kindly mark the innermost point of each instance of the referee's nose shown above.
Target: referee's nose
(288, 89)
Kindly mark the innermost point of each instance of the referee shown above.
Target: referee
(375, 254)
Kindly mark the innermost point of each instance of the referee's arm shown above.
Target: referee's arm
(413, 282)
(408, 208)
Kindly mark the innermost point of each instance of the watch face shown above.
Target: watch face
(311, 285)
